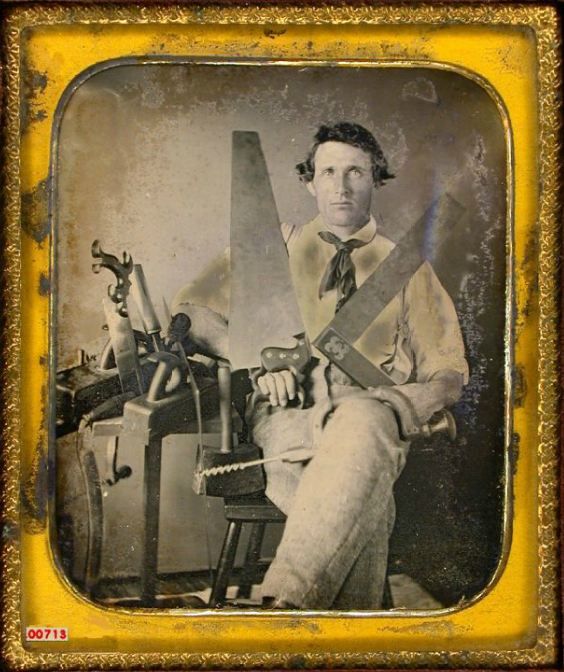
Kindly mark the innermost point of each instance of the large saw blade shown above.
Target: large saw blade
(263, 308)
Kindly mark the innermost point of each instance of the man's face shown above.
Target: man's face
(342, 185)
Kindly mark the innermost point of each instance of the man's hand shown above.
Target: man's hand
(202, 330)
(279, 386)
(178, 328)
(444, 389)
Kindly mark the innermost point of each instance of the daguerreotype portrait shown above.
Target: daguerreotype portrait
(287, 316)
(254, 202)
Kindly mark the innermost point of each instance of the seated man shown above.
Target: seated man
(340, 506)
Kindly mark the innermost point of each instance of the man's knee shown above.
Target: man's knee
(362, 415)
(366, 432)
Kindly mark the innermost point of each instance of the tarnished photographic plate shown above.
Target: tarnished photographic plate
(280, 381)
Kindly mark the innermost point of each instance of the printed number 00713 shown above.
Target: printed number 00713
(44, 634)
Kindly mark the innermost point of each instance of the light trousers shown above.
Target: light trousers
(339, 506)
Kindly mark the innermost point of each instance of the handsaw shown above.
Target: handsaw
(264, 313)
(390, 277)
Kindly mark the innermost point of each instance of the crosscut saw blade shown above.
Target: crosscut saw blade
(125, 348)
(263, 308)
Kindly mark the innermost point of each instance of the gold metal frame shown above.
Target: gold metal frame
(515, 620)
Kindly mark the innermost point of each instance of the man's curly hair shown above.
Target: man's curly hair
(350, 134)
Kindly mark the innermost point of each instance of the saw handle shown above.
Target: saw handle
(168, 375)
(296, 358)
(278, 359)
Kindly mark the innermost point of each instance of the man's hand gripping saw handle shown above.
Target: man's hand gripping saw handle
(280, 359)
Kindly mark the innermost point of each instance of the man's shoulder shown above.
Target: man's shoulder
(383, 242)
(293, 232)
(289, 232)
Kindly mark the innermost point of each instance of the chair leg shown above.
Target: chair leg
(225, 564)
(387, 599)
(252, 558)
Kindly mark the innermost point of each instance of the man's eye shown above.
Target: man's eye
(357, 172)
(328, 171)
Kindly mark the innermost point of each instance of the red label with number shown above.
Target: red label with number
(35, 633)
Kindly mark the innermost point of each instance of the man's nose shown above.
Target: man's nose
(342, 185)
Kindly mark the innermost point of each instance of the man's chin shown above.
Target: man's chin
(345, 217)
(343, 223)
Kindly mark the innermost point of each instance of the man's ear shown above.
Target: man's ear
(311, 188)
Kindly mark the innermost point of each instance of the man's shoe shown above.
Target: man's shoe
(241, 603)
(179, 602)
(268, 603)
(277, 603)
(194, 602)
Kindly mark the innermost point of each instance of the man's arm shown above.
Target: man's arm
(436, 342)
(434, 330)
(205, 302)
(444, 389)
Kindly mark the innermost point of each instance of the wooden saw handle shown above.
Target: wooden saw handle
(276, 359)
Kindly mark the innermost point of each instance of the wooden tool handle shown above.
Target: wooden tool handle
(143, 301)
(224, 381)
(278, 359)
(167, 377)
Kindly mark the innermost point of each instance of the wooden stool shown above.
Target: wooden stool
(259, 511)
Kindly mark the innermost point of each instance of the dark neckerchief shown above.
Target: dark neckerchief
(340, 273)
